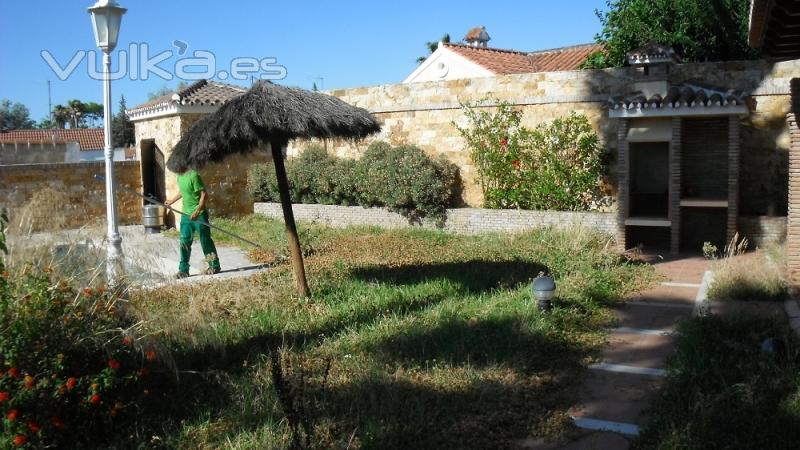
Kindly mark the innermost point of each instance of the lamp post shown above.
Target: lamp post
(543, 288)
(106, 19)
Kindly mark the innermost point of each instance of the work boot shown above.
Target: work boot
(180, 275)
(213, 271)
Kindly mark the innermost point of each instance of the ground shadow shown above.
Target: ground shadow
(473, 276)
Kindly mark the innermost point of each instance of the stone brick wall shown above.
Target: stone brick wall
(72, 197)
(459, 220)
(704, 157)
(423, 113)
(763, 230)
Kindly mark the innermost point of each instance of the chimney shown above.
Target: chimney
(477, 37)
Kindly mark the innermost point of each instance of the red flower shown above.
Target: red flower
(13, 373)
(87, 291)
(144, 371)
(515, 163)
(127, 340)
(150, 355)
(29, 381)
(94, 399)
(20, 440)
(4, 396)
(71, 383)
(114, 364)
(12, 415)
(33, 426)
(57, 422)
(504, 142)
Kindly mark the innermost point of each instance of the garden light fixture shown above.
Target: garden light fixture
(543, 289)
(106, 19)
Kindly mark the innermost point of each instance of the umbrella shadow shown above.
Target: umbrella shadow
(472, 277)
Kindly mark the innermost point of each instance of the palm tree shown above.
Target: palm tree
(432, 46)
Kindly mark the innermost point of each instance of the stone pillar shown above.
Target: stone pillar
(734, 145)
(793, 218)
(675, 187)
(623, 182)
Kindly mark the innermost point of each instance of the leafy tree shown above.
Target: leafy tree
(164, 90)
(698, 30)
(122, 131)
(14, 116)
(432, 46)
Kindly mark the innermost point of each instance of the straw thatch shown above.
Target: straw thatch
(268, 113)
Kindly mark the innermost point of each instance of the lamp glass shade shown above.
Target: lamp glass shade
(106, 20)
(543, 288)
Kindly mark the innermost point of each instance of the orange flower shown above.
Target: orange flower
(13, 373)
(95, 386)
(71, 383)
(57, 422)
(20, 440)
(94, 399)
(114, 364)
(4, 396)
(150, 355)
(33, 426)
(87, 291)
(12, 415)
(127, 340)
(504, 142)
(515, 163)
(101, 290)
(29, 381)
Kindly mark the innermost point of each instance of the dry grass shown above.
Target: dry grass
(758, 275)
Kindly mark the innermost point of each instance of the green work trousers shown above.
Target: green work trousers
(188, 228)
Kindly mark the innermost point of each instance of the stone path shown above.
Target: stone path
(623, 383)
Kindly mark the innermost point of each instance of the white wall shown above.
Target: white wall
(444, 64)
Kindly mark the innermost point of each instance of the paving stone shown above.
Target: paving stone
(668, 294)
(587, 440)
(616, 397)
(792, 308)
(649, 317)
(756, 308)
(639, 350)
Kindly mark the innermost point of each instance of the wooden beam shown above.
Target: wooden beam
(288, 217)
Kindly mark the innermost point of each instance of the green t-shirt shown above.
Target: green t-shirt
(191, 185)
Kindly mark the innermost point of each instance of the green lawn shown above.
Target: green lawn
(411, 339)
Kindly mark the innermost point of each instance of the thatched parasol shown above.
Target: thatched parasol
(269, 113)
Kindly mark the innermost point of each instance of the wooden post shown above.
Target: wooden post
(288, 218)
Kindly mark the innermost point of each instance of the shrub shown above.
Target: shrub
(558, 165)
(71, 374)
(403, 179)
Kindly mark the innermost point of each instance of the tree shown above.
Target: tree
(14, 116)
(122, 131)
(432, 46)
(164, 90)
(698, 30)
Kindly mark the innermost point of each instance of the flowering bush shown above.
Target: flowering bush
(403, 179)
(558, 165)
(69, 372)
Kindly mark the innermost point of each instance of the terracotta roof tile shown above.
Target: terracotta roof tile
(504, 62)
(679, 95)
(87, 138)
(203, 92)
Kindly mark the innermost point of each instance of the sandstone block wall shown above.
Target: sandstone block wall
(763, 230)
(459, 220)
(66, 195)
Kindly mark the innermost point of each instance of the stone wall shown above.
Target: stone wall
(763, 230)
(226, 182)
(423, 114)
(66, 195)
(459, 220)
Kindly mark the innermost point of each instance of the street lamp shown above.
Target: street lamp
(543, 289)
(106, 19)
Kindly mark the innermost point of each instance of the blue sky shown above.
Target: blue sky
(348, 42)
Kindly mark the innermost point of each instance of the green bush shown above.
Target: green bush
(402, 179)
(556, 166)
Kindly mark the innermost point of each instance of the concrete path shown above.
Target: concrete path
(627, 376)
(151, 260)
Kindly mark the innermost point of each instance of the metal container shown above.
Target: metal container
(152, 218)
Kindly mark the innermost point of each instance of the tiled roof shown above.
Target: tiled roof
(87, 138)
(200, 93)
(652, 53)
(677, 96)
(504, 62)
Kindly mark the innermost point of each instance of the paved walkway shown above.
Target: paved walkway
(629, 373)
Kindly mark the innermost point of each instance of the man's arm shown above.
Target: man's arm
(200, 206)
(173, 199)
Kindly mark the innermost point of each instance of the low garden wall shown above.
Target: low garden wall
(763, 230)
(459, 220)
(65, 195)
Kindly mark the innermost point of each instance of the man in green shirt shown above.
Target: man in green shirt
(195, 197)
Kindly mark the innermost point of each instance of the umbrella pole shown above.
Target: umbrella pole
(288, 218)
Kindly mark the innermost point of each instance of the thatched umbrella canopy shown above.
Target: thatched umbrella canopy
(269, 113)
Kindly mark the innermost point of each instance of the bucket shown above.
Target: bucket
(152, 218)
